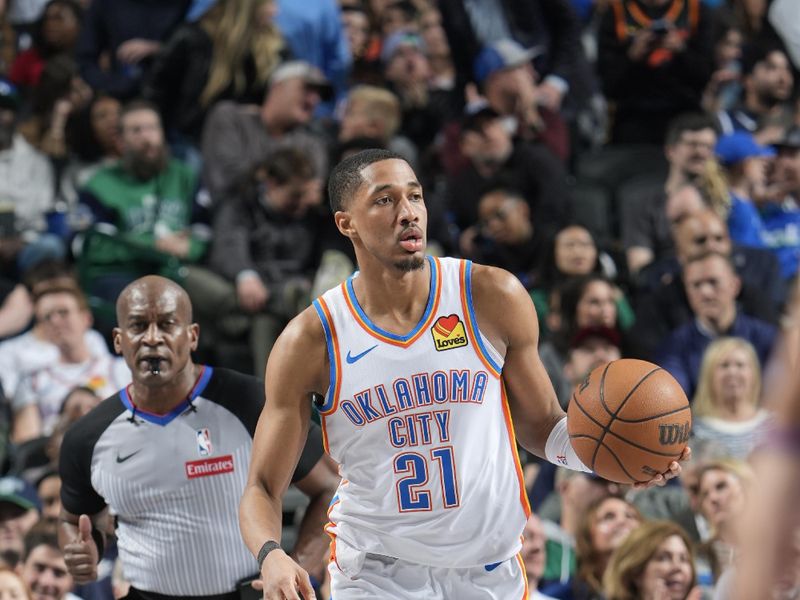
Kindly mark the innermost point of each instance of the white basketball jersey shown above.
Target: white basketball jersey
(422, 430)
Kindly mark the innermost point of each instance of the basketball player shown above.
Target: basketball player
(168, 457)
(422, 362)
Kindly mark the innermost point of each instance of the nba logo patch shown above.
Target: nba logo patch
(204, 446)
(448, 333)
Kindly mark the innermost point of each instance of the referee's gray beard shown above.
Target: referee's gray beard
(410, 264)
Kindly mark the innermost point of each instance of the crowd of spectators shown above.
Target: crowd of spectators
(635, 163)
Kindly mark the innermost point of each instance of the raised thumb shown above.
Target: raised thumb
(84, 528)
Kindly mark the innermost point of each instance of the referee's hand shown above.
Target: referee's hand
(283, 579)
(80, 555)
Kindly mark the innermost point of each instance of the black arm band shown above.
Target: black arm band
(268, 547)
(99, 541)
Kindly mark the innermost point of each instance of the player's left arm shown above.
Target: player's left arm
(311, 549)
(506, 315)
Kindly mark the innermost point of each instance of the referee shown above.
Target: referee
(168, 457)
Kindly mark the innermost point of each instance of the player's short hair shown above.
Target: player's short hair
(346, 177)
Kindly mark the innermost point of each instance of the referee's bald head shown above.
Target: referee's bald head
(153, 290)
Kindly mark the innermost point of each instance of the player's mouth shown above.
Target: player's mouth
(411, 240)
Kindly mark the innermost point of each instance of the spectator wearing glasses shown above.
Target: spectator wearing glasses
(662, 304)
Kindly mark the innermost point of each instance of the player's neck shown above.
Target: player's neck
(397, 297)
(162, 399)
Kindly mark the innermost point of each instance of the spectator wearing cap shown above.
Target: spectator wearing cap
(549, 25)
(19, 511)
(781, 214)
(711, 286)
(226, 50)
(237, 138)
(407, 70)
(767, 85)
(26, 191)
(654, 60)
(746, 163)
(495, 159)
(507, 80)
(127, 34)
(313, 31)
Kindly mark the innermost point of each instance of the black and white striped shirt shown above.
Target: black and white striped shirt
(173, 482)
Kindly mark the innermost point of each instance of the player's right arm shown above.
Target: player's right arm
(296, 367)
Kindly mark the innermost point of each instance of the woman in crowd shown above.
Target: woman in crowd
(726, 405)
(56, 33)
(226, 53)
(723, 490)
(655, 562)
(605, 526)
(574, 253)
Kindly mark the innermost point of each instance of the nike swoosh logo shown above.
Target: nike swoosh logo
(122, 459)
(351, 359)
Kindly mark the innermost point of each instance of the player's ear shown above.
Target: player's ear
(344, 223)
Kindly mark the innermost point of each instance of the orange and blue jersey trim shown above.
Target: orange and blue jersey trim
(512, 441)
(403, 341)
(465, 276)
(334, 362)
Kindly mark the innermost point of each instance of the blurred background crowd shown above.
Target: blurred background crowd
(636, 163)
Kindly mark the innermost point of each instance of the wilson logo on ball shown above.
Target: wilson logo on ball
(674, 434)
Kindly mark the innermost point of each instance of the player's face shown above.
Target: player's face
(387, 218)
(12, 587)
(733, 378)
(597, 306)
(46, 574)
(155, 335)
(613, 520)
(668, 573)
(575, 252)
(721, 496)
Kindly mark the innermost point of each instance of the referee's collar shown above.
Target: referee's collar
(199, 386)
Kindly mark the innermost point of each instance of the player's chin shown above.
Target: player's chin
(412, 262)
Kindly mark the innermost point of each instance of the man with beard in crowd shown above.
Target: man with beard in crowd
(144, 207)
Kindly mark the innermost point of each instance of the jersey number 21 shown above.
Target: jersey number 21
(410, 495)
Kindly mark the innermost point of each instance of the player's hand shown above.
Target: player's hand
(673, 471)
(80, 555)
(283, 579)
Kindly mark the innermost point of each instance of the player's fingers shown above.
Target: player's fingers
(686, 454)
(305, 587)
(257, 584)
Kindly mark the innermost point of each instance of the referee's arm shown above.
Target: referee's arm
(297, 366)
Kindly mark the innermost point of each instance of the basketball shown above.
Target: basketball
(628, 420)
